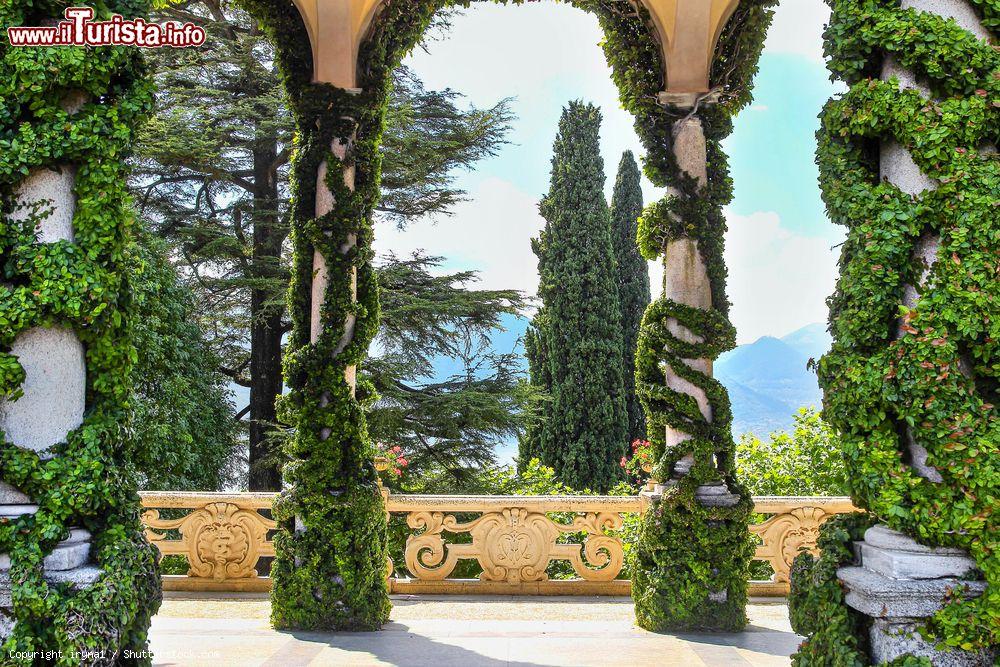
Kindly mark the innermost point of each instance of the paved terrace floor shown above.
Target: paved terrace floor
(446, 631)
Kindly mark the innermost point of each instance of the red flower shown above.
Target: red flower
(623, 462)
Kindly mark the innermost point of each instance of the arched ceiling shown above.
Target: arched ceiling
(688, 31)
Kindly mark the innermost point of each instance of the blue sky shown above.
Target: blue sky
(780, 244)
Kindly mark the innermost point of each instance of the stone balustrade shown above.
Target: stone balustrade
(513, 539)
(221, 535)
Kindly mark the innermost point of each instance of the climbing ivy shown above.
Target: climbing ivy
(816, 602)
(331, 574)
(80, 285)
(692, 562)
(926, 373)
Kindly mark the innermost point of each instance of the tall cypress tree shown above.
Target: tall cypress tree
(586, 423)
(633, 281)
(529, 444)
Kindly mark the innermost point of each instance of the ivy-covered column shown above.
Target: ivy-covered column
(908, 163)
(331, 551)
(330, 569)
(692, 561)
(76, 573)
(694, 545)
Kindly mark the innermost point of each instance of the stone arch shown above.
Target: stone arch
(328, 571)
(687, 31)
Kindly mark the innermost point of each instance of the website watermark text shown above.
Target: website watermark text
(79, 29)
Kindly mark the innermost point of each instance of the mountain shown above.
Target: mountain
(812, 340)
(768, 380)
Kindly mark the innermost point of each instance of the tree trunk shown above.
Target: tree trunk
(265, 326)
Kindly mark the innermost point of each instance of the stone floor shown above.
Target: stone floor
(445, 631)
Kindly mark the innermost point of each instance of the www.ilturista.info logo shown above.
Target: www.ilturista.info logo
(79, 29)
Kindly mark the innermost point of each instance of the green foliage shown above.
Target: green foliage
(804, 462)
(529, 444)
(82, 285)
(691, 564)
(183, 428)
(448, 427)
(837, 635)
(341, 552)
(585, 428)
(633, 283)
(212, 174)
(926, 373)
(428, 138)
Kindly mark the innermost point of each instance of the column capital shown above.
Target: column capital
(687, 30)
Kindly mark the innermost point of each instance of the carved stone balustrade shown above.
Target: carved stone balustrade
(793, 527)
(512, 538)
(222, 536)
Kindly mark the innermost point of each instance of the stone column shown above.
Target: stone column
(685, 280)
(896, 581)
(324, 204)
(898, 167)
(54, 390)
(321, 278)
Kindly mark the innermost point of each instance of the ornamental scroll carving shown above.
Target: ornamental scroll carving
(221, 540)
(514, 545)
(786, 535)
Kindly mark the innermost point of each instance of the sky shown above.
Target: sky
(780, 248)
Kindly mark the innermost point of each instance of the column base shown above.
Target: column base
(69, 554)
(66, 563)
(894, 638)
(716, 494)
(672, 589)
(78, 577)
(6, 606)
(900, 584)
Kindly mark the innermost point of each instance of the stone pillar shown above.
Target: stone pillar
(900, 584)
(321, 278)
(324, 204)
(898, 167)
(896, 581)
(685, 280)
(54, 389)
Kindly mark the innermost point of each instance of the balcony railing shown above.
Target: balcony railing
(514, 540)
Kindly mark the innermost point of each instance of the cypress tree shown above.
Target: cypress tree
(540, 379)
(586, 423)
(633, 281)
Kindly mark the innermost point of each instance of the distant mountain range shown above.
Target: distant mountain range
(768, 380)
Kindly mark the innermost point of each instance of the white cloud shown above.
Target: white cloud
(798, 29)
(490, 233)
(778, 280)
(523, 47)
